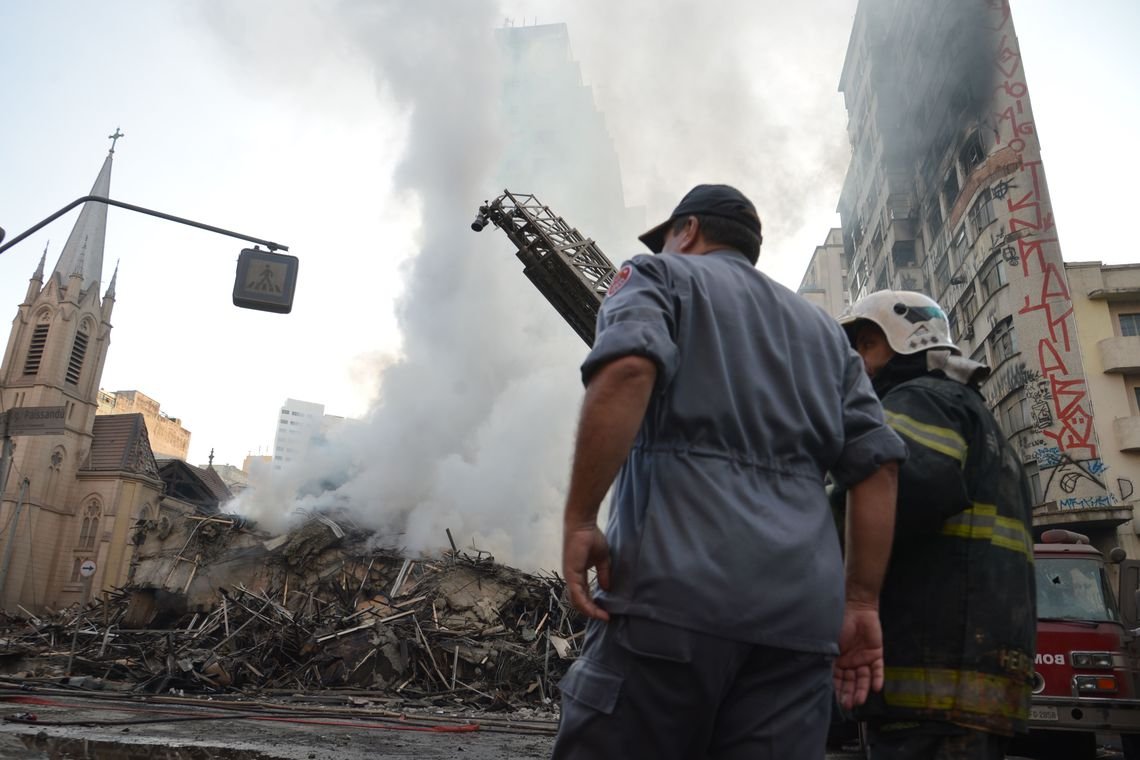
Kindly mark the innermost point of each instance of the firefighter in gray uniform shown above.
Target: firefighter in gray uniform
(718, 400)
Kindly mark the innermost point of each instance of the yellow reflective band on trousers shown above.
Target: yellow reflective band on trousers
(956, 690)
(943, 440)
(981, 522)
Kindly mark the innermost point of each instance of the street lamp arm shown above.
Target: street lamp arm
(130, 207)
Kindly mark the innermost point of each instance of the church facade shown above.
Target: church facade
(71, 499)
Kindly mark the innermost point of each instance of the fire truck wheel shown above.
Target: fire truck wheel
(1056, 745)
(1130, 743)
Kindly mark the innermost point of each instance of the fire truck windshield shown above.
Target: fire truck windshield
(1073, 589)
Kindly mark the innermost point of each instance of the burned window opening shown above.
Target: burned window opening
(972, 153)
(950, 188)
(903, 253)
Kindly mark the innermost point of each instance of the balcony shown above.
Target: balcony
(1090, 516)
(1127, 431)
(910, 278)
(1120, 354)
(902, 228)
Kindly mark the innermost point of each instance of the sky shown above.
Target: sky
(359, 134)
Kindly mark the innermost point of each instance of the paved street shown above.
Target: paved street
(122, 729)
(183, 733)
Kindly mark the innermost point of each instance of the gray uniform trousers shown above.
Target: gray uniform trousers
(643, 689)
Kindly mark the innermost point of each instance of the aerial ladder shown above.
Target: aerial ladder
(568, 269)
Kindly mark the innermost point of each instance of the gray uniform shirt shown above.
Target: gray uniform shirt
(719, 521)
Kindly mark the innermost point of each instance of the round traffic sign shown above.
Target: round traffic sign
(87, 569)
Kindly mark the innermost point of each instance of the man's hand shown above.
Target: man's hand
(584, 547)
(859, 668)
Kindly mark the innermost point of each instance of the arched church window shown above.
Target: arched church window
(147, 513)
(89, 528)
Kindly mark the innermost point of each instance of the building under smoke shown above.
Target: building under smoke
(556, 143)
(301, 425)
(946, 194)
(474, 421)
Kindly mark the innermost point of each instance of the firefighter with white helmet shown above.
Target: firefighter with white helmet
(958, 605)
(911, 322)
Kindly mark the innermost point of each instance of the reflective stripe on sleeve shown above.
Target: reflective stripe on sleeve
(981, 522)
(943, 440)
(958, 690)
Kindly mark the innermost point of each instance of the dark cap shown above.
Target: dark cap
(707, 200)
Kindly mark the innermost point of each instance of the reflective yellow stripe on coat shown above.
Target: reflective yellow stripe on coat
(981, 522)
(958, 690)
(943, 440)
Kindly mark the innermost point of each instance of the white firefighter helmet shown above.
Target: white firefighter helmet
(911, 321)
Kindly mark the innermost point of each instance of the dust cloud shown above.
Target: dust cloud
(472, 424)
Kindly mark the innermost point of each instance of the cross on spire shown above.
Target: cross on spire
(115, 138)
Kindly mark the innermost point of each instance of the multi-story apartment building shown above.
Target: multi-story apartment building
(167, 436)
(825, 281)
(300, 426)
(1106, 311)
(946, 194)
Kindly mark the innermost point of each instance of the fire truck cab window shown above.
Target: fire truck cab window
(1073, 589)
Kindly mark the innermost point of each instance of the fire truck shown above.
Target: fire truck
(1086, 670)
(1086, 678)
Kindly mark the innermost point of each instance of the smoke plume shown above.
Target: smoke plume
(473, 420)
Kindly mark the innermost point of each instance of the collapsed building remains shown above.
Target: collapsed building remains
(215, 605)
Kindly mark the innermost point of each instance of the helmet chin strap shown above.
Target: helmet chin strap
(957, 368)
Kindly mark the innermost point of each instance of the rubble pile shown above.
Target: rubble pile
(219, 607)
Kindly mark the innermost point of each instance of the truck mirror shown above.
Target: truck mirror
(1117, 555)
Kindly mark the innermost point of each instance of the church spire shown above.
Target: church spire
(37, 281)
(111, 288)
(39, 274)
(83, 252)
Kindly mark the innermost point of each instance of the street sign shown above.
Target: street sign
(36, 420)
(87, 569)
(265, 281)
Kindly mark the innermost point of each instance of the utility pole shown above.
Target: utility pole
(10, 540)
(5, 454)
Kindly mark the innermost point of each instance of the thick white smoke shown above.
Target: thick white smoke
(473, 423)
(736, 91)
(472, 427)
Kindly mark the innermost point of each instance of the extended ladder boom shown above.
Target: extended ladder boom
(568, 269)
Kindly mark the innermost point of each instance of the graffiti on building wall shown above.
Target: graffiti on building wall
(1126, 489)
(1086, 502)
(1058, 398)
(1047, 292)
(1001, 189)
(1008, 380)
(1067, 476)
(1040, 401)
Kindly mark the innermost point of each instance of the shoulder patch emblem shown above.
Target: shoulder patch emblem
(620, 279)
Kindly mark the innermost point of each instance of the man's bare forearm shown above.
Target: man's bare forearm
(870, 529)
(615, 403)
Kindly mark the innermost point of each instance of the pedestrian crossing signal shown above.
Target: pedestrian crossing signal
(265, 281)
